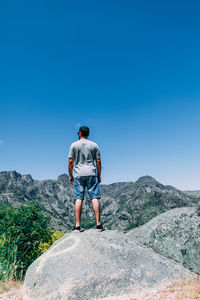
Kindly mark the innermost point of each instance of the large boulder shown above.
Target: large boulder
(97, 265)
(175, 234)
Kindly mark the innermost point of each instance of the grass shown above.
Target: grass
(186, 289)
(9, 284)
(10, 289)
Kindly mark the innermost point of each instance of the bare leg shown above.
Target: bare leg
(78, 209)
(96, 208)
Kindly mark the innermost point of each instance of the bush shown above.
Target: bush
(22, 229)
(55, 235)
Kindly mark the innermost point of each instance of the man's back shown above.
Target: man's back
(82, 157)
(84, 152)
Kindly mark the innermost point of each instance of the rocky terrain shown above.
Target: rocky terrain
(124, 205)
(99, 265)
(152, 239)
(174, 234)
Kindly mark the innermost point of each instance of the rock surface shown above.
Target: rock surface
(175, 234)
(97, 265)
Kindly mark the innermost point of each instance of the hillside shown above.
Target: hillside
(124, 205)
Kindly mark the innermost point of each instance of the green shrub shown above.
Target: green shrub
(56, 235)
(22, 229)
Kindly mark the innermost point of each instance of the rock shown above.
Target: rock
(175, 234)
(94, 265)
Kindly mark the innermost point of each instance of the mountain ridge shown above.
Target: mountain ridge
(124, 205)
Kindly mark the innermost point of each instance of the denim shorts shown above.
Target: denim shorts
(91, 182)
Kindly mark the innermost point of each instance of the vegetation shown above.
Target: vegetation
(24, 236)
(178, 290)
(55, 235)
(88, 223)
(198, 208)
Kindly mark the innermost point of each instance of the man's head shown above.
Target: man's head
(83, 132)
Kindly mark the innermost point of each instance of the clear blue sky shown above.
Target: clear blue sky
(130, 70)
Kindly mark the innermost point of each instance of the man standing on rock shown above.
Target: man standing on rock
(82, 156)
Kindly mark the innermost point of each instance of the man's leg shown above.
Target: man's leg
(96, 208)
(78, 209)
(79, 190)
(94, 193)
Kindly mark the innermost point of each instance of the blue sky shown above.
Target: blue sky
(130, 70)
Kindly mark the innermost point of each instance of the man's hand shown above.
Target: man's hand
(70, 169)
(71, 179)
(99, 179)
(98, 161)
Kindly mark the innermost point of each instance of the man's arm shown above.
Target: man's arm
(70, 169)
(98, 161)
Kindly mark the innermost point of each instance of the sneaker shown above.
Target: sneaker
(76, 229)
(100, 227)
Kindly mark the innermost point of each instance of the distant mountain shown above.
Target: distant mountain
(124, 205)
(138, 202)
(193, 193)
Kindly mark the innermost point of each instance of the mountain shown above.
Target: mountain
(124, 205)
(193, 193)
(138, 202)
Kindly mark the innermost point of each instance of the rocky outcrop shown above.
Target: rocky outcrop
(174, 234)
(124, 205)
(95, 265)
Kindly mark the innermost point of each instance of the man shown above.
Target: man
(82, 156)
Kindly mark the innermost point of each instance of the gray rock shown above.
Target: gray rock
(175, 234)
(94, 265)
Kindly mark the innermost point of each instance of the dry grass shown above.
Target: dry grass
(186, 289)
(10, 289)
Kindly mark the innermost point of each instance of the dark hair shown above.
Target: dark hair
(84, 130)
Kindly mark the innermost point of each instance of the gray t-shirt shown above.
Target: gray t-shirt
(84, 152)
